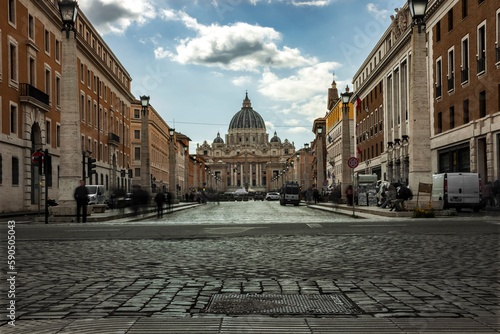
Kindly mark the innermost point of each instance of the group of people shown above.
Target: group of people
(394, 196)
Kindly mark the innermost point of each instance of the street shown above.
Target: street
(173, 267)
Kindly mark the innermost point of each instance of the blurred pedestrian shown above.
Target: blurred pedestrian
(488, 194)
(160, 200)
(81, 196)
(496, 192)
(349, 194)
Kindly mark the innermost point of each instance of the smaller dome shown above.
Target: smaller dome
(218, 139)
(275, 139)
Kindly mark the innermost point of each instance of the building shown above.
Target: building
(382, 111)
(247, 158)
(31, 44)
(464, 71)
(339, 140)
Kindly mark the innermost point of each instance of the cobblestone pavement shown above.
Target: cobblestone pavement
(410, 277)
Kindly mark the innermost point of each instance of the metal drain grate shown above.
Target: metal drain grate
(282, 304)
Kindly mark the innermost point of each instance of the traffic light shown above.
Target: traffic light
(47, 162)
(203, 189)
(39, 163)
(91, 166)
(122, 173)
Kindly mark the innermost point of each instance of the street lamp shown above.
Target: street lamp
(145, 157)
(186, 169)
(171, 160)
(346, 176)
(417, 12)
(68, 10)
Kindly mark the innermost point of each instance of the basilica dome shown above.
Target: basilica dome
(247, 118)
(218, 139)
(275, 138)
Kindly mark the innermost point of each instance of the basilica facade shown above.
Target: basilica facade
(246, 159)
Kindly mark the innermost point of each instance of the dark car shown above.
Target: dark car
(259, 196)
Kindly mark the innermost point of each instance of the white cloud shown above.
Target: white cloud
(115, 16)
(242, 81)
(239, 47)
(314, 3)
(307, 82)
(381, 14)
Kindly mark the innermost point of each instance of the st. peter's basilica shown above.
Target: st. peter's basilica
(247, 158)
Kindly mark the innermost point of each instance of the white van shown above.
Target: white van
(457, 190)
(97, 194)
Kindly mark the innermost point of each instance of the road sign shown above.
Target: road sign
(35, 155)
(352, 162)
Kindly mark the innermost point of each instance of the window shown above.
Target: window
(482, 104)
(137, 153)
(58, 91)
(13, 63)
(47, 41)
(82, 107)
(450, 20)
(137, 113)
(465, 60)
(47, 132)
(466, 111)
(452, 117)
(439, 122)
(1, 168)
(13, 118)
(438, 78)
(15, 171)
(464, 9)
(57, 51)
(451, 72)
(32, 72)
(137, 134)
(47, 81)
(31, 27)
(438, 31)
(82, 78)
(88, 78)
(89, 111)
(58, 135)
(12, 11)
(137, 172)
(498, 37)
(481, 49)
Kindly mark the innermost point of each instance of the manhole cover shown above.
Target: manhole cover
(282, 304)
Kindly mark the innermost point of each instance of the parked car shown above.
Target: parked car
(272, 196)
(259, 196)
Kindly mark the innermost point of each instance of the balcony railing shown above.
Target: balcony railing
(438, 91)
(481, 65)
(465, 75)
(451, 83)
(28, 91)
(113, 139)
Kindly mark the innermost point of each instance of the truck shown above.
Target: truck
(458, 190)
(290, 194)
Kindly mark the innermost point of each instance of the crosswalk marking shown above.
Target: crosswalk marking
(314, 225)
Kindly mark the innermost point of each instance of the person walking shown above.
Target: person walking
(159, 200)
(349, 194)
(81, 196)
(488, 194)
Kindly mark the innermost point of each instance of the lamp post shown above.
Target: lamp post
(419, 116)
(186, 169)
(70, 118)
(171, 161)
(320, 166)
(145, 156)
(195, 176)
(347, 176)
(306, 170)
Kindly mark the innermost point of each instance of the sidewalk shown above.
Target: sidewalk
(254, 324)
(108, 215)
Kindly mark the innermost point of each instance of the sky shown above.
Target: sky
(196, 59)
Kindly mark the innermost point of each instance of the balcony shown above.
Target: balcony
(465, 75)
(438, 91)
(113, 139)
(451, 83)
(481, 65)
(34, 96)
